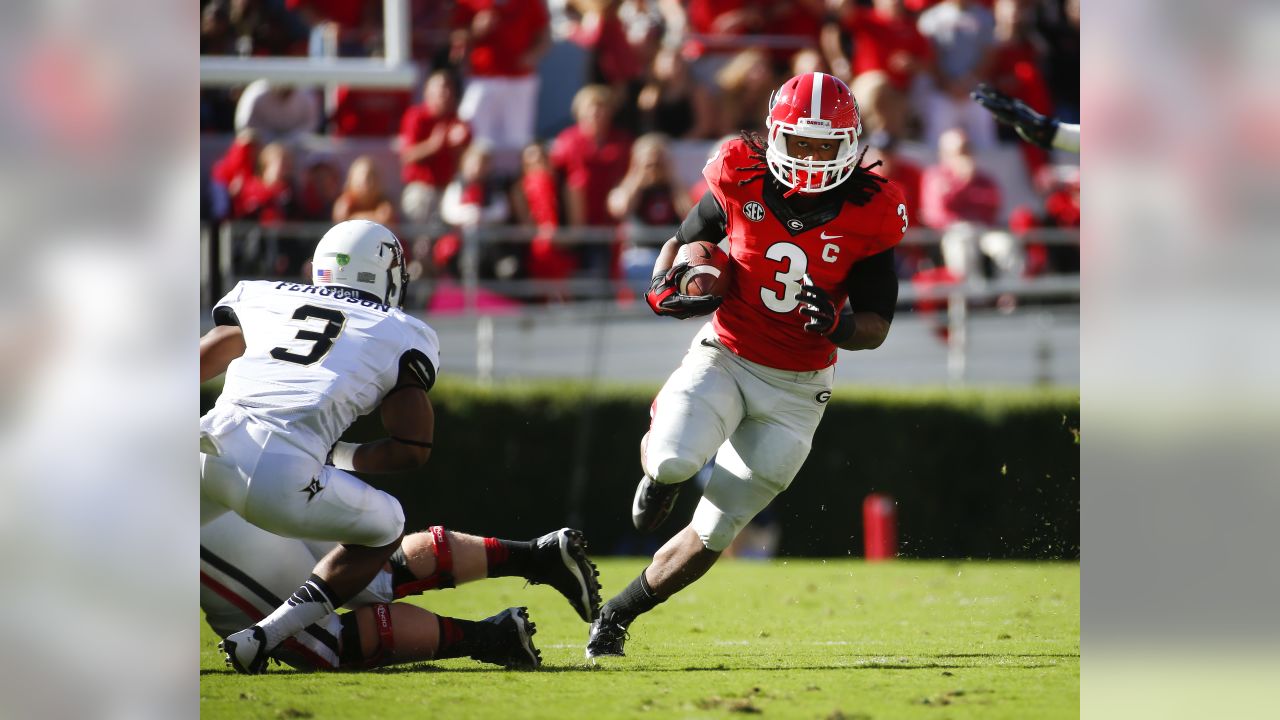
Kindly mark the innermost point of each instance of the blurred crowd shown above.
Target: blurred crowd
(653, 72)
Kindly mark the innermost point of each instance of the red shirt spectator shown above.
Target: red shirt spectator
(955, 190)
(591, 166)
(239, 162)
(502, 33)
(537, 204)
(885, 38)
(266, 195)
(432, 138)
(592, 156)
(375, 113)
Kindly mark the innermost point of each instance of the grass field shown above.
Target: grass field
(786, 639)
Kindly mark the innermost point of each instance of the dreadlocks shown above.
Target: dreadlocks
(861, 186)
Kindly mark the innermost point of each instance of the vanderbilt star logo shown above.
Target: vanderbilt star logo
(313, 488)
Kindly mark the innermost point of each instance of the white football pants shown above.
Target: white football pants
(246, 573)
(247, 468)
(757, 421)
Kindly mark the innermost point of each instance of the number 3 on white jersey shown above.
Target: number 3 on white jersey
(797, 265)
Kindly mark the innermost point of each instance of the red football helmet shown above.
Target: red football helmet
(813, 105)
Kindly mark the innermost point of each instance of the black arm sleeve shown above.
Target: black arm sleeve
(223, 315)
(873, 285)
(706, 221)
(419, 367)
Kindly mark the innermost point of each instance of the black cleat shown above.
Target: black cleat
(246, 650)
(516, 649)
(652, 504)
(607, 638)
(563, 564)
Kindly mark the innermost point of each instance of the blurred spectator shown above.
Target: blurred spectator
(592, 157)
(536, 203)
(1015, 70)
(1061, 189)
(808, 60)
(476, 200)
(277, 112)
(432, 139)
(649, 196)
(882, 37)
(265, 195)
(239, 162)
(672, 103)
(348, 24)
(367, 112)
(244, 28)
(962, 33)
(880, 106)
(799, 21)
(614, 62)
(962, 201)
(502, 41)
(700, 186)
(321, 186)
(906, 175)
(1059, 24)
(362, 197)
(710, 23)
(746, 85)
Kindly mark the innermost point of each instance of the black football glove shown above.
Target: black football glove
(665, 299)
(1031, 125)
(824, 318)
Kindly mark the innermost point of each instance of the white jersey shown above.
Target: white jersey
(317, 357)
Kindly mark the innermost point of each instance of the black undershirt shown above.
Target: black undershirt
(872, 282)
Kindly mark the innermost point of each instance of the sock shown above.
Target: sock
(310, 603)
(465, 638)
(635, 599)
(509, 558)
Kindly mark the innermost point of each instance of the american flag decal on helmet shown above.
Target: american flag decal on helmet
(324, 274)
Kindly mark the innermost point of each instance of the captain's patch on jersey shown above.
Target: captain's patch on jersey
(754, 211)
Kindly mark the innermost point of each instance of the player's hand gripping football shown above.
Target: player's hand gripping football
(1031, 125)
(824, 318)
(664, 296)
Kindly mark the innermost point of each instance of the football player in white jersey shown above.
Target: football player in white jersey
(246, 571)
(302, 362)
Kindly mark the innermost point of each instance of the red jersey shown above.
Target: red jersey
(773, 247)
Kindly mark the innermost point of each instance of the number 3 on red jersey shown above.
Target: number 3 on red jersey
(796, 265)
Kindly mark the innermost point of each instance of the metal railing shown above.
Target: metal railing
(247, 250)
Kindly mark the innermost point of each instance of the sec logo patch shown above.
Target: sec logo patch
(754, 211)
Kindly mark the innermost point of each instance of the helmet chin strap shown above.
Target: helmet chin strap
(802, 178)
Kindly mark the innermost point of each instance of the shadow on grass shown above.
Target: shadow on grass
(420, 668)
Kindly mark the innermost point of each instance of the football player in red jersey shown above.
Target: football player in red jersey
(811, 233)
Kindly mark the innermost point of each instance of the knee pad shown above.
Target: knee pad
(406, 583)
(352, 656)
(716, 529)
(671, 469)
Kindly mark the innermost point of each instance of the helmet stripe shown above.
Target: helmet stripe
(815, 95)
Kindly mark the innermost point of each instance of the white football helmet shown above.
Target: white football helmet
(362, 255)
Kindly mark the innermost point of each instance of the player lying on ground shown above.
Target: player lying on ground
(808, 228)
(246, 571)
(1046, 132)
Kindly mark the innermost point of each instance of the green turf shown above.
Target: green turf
(798, 638)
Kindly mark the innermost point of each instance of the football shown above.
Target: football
(708, 272)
